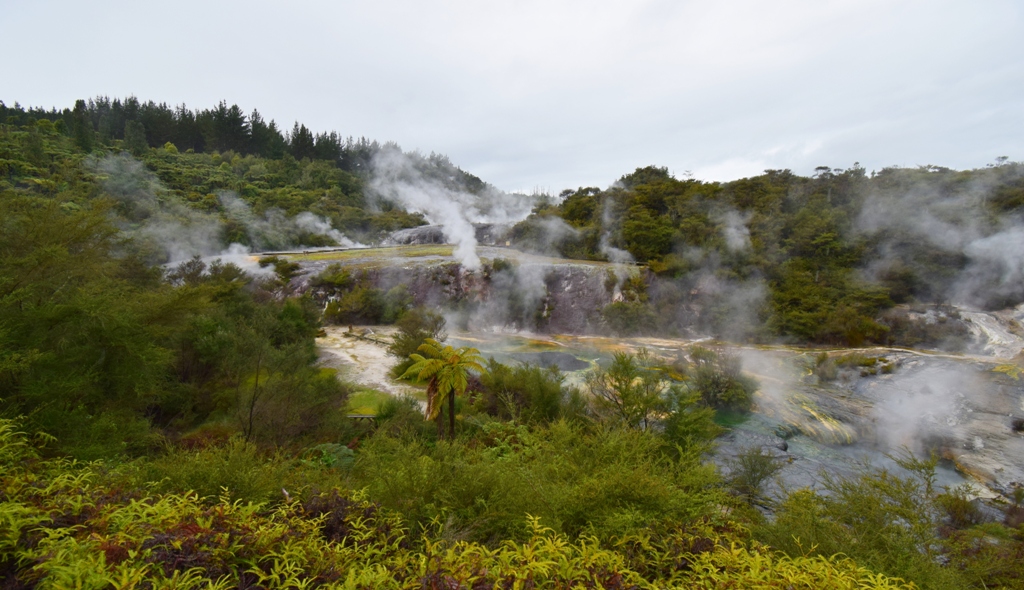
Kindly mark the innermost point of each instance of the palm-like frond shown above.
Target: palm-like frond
(445, 369)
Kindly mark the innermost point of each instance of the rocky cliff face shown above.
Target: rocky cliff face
(535, 297)
(512, 290)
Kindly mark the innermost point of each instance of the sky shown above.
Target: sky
(552, 94)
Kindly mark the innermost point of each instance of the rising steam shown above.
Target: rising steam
(734, 230)
(172, 232)
(437, 190)
(275, 230)
(609, 225)
(957, 223)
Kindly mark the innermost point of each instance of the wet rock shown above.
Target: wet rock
(786, 431)
(491, 234)
(424, 234)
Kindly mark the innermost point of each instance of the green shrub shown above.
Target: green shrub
(749, 471)
(334, 277)
(361, 305)
(629, 318)
(284, 269)
(401, 417)
(825, 367)
(608, 482)
(718, 378)
(398, 301)
(526, 393)
(689, 426)
(856, 359)
(237, 469)
(414, 328)
(986, 560)
(72, 525)
(947, 331)
(631, 392)
(885, 522)
(958, 508)
(501, 264)
(329, 455)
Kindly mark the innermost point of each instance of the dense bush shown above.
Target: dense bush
(822, 258)
(900, 525)
(717, 377)
(606, 481)
(527, 393)
(632, 391)
(750, 471)
(352, 299)
(97, 349)
(939, 327)
(235, 467)
(68, 525)
(629, 318)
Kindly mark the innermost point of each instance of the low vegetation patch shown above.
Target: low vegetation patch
(367, 401)
(73, 525)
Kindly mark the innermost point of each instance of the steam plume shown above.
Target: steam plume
(435, 188)
(734, 230)
(274, 229)
(176, 232)
(921, 217)
(616, 255)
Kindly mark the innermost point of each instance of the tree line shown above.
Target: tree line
(100, 120)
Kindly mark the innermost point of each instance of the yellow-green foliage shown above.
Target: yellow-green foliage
(755, 568)
(62, 526)
(366, 401)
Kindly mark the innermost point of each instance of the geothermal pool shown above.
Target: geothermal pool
(959, 406)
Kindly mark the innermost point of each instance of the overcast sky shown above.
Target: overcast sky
(555, 94)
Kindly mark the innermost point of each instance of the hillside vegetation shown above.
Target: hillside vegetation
(819, 259)
(166, 425)
(822, 259)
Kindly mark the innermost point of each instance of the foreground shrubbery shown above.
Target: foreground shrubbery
(904, 526)
(605, 482)
(71, 525)
(582, 503)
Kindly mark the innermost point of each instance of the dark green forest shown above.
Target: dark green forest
(167, 425)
